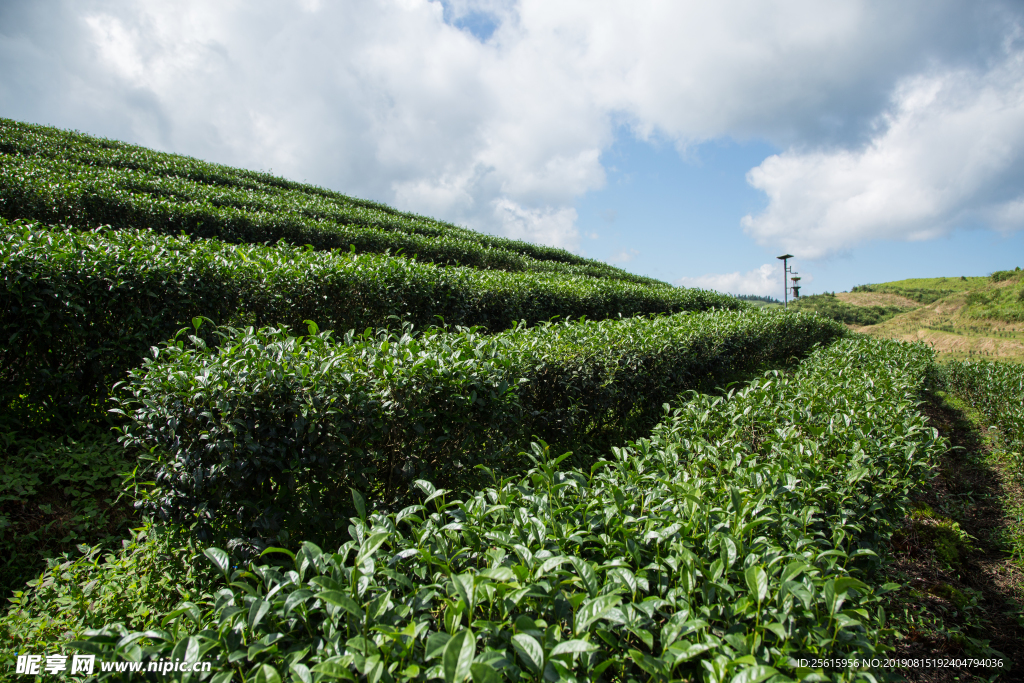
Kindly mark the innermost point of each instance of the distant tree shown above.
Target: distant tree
(755, 297)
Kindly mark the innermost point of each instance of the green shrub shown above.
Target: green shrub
(977, 298)
(734, 542)
(58, 176)
(265, 432)
(996, 390)
(78, 309)
(56, 493)
(134, 585)
(1001, 275)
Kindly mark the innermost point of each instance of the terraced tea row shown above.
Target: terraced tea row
(267, 432)
(996, 390)
(77, 309)
(55, 177)
(733, 545)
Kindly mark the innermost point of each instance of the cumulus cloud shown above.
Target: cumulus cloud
(763, 281)
(494, 114)
(624, 256)
(556, 227)
(948, 151)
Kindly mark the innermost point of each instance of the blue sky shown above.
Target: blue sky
(670, 215)
(667, 214)
(692, 142)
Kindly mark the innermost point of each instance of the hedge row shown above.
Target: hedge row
(263, 432)
(996, 390)
(58, 177)
(28, 140)
(77, 309)
(736, 544)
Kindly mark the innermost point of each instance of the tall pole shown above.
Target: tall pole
(785, 285)
(785, 272)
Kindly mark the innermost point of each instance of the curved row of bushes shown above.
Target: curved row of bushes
(58, 177)
(996, 390)
(77, 309)
(265, 431)
(735, 544)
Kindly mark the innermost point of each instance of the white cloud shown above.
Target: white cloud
(949, 149)
(494, 113)
(556, 227)
(1007, 216)
(763, 281)
(624, 256)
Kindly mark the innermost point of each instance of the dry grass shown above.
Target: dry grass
(954, 336)
(866, 299)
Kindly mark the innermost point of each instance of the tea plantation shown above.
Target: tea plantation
(305, 437)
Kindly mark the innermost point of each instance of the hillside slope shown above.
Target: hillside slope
(107, 250)
(876, 299)
(875, 308)
(925, 290)
(57, 176)
(963, 317)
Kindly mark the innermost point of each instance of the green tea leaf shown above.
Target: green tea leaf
(754, 674)
(458, 656)
(757, 583)
(529, 650)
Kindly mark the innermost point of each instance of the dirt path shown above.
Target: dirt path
(963, 589)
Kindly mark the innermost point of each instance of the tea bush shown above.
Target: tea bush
(154, 569)
(264, 431)
(57, 176)
(77, 309)
(733, 543)
(996, 390)
(56, 493)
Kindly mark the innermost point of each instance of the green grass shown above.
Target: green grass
(1000, 296)
(958, 554)
(831, 307)
(926, 290)
(1004, 302)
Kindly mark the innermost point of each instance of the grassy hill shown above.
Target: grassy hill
(961, 317)
(925, 290)
(854, 312)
